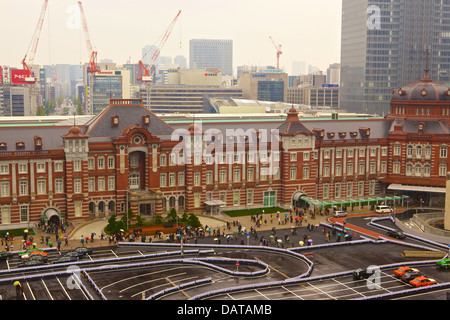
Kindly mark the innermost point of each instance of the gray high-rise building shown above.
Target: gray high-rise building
(211, 53)
(384, 45)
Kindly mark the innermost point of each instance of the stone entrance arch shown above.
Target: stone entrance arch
(297, 201)
(52, 216)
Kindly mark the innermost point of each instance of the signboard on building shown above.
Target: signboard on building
(6, 75)
(19, 76)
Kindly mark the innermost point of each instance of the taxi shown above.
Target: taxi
(402, 270)
(422, 281)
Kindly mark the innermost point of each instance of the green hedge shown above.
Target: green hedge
(17, 232)
(248, 212)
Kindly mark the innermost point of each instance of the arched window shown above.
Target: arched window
(111, 206)
(181, 202)
(417, 170)
(101, 207)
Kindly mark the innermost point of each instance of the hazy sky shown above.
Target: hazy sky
(308, 30)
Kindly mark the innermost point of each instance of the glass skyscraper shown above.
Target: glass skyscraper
(384, 45)
(211, 53)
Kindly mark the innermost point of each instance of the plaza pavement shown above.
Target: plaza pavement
(86, 228)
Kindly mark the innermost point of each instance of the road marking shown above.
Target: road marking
(161, 285)
(48, 291)
(114, 253)
(31, 291)
(262, 294)
(320, 290)
(230, 296)
(140, 283)
(173, 284)
(274, 269)
(64, 289)
(291, 292)
(343, 284)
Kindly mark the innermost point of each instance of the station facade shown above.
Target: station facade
(125, 157)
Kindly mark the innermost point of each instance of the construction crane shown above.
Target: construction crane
(146, 73)
(279, 52)
(92, 53)
(29, 78)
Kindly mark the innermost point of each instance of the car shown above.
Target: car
(402, 270)
(396, 234)
(38, 256)
(83, 250)
(5, 255)
(443, 264)
(422, 281)
(361, 273)
(408, 276)
(65, 259)
(28, 251)
(41, 253)
(30, 263)
(340, 214)
(383, 209)
(74, 254)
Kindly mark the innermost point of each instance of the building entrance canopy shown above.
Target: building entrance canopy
(214, 206)
(404, 187)
(319, 203)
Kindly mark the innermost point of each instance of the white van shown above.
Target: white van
(383, 209)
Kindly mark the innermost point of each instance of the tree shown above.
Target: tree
(172, 216)
(193, 221)
(127, 217)
(114, 225)
(158, 220)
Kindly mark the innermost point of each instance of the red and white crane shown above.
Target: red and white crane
(92, 53)
(33, 45)
(146, 73)
(279, 52)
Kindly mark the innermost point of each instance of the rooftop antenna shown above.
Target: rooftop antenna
(426, 77)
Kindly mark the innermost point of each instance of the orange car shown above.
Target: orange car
(43, 254)
(402, 270)
(422, 282)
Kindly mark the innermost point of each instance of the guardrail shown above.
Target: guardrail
(178, 288)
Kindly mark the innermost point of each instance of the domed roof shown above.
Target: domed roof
(423, 91)
(74, 133)
(75, 130)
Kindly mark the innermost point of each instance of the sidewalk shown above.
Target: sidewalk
(86, 228)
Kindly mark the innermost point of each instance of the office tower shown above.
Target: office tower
(298, 68)
(181, 61)
(264, 85)
(106, 85)
(384, 45)
(210, 53)
(334, 74)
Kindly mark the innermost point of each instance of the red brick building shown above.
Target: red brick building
(125, 156)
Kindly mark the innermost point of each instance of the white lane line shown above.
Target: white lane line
(262, 294)
(64, 289)
(291, 292)
(162, 285)
(141, 275)
(343, 284)
(114, 253)
(48, 291)
(31, 291)
(320, 290)
(140, 283)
